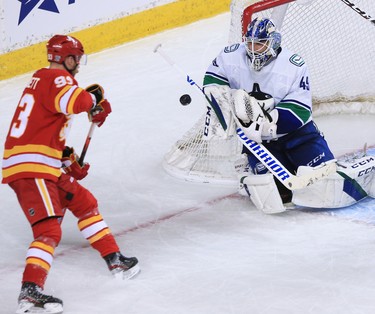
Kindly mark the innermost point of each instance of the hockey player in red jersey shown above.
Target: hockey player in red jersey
(34, 155)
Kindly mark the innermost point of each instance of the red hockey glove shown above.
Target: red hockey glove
(102, 107)
(99, 113)
(71, 165)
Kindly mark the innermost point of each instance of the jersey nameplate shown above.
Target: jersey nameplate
(297, 60)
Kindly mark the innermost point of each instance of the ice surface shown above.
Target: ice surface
(200, 250)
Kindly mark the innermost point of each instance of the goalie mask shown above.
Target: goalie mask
(262, 42)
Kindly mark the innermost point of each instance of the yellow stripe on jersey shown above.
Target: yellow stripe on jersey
(30, 167)
(99, 235)
(45, 197)
(73, 100)
(33, 148)
(84, 223)
(59, 96)
(65, 99)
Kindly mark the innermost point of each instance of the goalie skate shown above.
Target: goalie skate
(122, 267)
(31, 300)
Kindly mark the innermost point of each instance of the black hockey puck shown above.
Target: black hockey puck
(185, 99)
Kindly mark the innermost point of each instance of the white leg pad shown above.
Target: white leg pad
(263, 192)
(371, 193)
(352, 182)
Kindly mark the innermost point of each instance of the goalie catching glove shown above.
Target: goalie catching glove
(101, 108)
(71, 165)
(252, 114)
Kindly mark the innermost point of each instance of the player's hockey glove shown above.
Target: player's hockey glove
(71, 165)
(102, 108)
(97, 91)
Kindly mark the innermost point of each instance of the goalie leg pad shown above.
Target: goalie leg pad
(263, 192)
(352, 182)
(371, 192)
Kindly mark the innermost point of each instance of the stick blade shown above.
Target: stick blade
(308, 175)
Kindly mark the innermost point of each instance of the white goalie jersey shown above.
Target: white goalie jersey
(286, 79)
(232, 67)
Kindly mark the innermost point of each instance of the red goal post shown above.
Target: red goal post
(257, 7)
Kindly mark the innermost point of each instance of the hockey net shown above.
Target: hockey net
(336, 40)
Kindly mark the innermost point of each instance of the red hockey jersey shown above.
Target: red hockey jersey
(36, 137)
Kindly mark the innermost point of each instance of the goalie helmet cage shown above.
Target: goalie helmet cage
(337, 41)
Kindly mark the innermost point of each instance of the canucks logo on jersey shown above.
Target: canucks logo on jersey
(297, 60)
(231, 48)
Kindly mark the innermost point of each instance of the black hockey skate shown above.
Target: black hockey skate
(121, 266)
(32, 300)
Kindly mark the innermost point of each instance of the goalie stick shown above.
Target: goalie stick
(191, 82)
(289, 180)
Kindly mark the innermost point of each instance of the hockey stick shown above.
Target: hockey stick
(191, 82)
(87, 143)
(290, 181)
(359, 11)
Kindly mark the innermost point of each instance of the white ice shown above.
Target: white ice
(200, 251)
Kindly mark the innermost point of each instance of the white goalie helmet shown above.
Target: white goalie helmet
(262, 42)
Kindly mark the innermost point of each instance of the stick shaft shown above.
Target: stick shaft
(87, 143)
(191, 82)
(173, 64)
